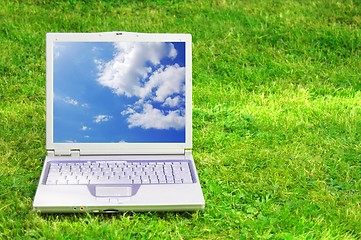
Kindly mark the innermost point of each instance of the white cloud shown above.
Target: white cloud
(102, 118)
(58, 49)
(125, 74)
(71, 101)
(137, 71)
(167, 81)
(154, 118)
(100, 64)
(128, 111)
(172, 102)
(85, 128)
(96, 49)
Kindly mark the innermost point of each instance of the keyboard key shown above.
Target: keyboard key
(62, 181)
(83, 181)
(145, 181)
(51, 181)
(73, 181)
(136, 181)
(125, 181)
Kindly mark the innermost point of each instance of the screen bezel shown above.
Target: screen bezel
(122, 147)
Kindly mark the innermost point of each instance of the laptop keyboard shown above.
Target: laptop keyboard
(119, 172)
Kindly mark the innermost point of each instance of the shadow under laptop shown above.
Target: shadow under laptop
(112, 214)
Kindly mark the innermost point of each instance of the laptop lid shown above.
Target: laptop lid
(118, 93)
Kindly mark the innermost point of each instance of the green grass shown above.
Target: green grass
(277, 117)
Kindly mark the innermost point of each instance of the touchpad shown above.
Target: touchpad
(113, 191)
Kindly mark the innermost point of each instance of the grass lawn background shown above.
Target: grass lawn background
(277, 117)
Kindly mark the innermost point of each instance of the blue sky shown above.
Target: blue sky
(119, 92)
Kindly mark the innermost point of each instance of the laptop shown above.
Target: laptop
(118, 124)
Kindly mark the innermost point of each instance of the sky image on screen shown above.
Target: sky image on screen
(112, 92)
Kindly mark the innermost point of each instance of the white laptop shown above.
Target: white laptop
(118, 124)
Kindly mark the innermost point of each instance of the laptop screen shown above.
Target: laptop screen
(113, 92)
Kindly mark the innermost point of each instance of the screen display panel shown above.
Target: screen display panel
(119, 92)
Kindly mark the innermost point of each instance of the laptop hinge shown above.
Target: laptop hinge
(75, 153)
(51, 153)
(187, 151)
